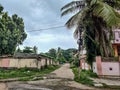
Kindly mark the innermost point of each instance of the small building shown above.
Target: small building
(21, 60)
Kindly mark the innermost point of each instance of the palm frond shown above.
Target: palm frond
(113, 3)
(77, 19)
(75, 34)
(72, 4)
(70, 10)
(93, 2)
(109, 15)
(73, 20)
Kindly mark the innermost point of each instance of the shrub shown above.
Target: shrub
(84, 77)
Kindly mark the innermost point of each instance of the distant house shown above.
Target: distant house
(83, 64)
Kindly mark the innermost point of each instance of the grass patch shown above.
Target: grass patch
(84, 77)
(25, 72)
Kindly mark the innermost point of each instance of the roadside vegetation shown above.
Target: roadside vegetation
(84, 77)
(61, 55)
(25, 74)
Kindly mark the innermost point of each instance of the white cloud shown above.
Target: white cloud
(39, 14)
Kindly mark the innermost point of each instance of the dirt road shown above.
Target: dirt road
(60, 79)
(64, 72)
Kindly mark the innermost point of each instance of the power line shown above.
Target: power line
(46, 28)
(51, 24)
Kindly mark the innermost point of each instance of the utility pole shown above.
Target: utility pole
(80, 43)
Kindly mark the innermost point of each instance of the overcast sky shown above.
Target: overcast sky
(42, 14)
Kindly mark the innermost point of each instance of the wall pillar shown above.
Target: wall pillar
(99, 65)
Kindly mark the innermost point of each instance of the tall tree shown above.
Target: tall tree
(12, 32)
(52, 53)
(97, 17)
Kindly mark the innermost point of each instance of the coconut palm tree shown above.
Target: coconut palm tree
(98, 18)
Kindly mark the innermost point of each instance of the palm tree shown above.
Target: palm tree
(98, 18)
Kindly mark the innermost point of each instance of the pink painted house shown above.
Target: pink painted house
(106, 66)
(116, 42)
(109, 66)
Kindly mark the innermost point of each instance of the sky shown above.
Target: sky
(42, 14)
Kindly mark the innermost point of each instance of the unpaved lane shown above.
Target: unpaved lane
(64, 72)
(60, 79)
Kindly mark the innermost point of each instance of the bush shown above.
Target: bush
(76, 63)
(84, 77)
(25, 72)
(90, 73)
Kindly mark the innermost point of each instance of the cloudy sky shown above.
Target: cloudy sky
(42, 14)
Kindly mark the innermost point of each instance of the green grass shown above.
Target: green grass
(26, 73)
(84, 77)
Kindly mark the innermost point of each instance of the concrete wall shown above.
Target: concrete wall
(30, 63)
(110, 68)
(14, 63)
(43, 62)
(48, 61)
(95, 67)
(4, 62)
(20, 63)
(106, 68)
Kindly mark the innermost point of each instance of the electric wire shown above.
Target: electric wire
(46, 28)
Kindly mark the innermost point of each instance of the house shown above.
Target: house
(116, 42)
(107, 67)
(21, 60)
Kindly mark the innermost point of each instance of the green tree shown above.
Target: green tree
(52, 53)
(35, 49)
(18, 50)
(97, 17)
(28, 50)
(65, 55)
(61, 55)
(12, 32)
(58, 53)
